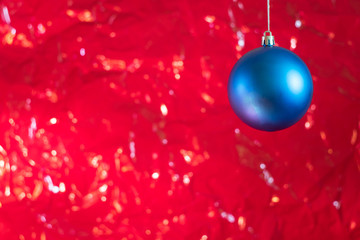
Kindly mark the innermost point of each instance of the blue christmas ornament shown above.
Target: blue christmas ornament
(270, 88)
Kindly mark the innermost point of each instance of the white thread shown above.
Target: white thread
(268, 14)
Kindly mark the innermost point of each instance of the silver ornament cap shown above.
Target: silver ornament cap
(268, 39)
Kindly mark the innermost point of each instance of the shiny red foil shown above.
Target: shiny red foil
(115, 122)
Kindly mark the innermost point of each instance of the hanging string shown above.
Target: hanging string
(268, 8)
(268, 39)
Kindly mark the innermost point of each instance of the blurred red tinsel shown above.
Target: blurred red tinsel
(115, 122)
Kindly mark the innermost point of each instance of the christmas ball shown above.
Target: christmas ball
(270, 88)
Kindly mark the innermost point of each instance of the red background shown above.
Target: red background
(115, 123)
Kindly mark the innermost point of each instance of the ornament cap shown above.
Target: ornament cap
(268, 39)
